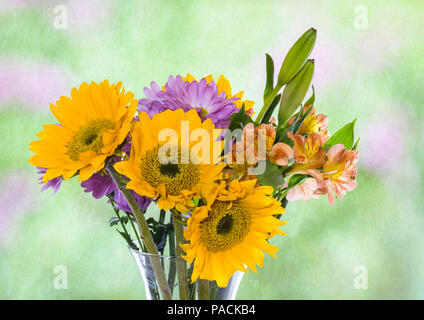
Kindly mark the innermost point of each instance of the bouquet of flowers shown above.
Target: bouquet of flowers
(220, 175)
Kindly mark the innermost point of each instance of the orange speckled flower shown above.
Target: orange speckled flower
(339, 172)
(313, 123)
(308, 153)
(250, 150)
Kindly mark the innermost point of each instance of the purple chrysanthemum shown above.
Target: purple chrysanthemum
(198, 95)
(102, 185)
(54, 183)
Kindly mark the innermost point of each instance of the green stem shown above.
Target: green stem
(130, 243)
(162, 216)
(181, 264)
(119, 217)
(145, 233)
(268, 101)
(135, 231)
(191, 286)
(203, 289)
(172, 265)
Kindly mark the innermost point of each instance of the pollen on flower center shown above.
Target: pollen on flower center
(175, 176)
(227, 225)
(88, 137)
(203, 112)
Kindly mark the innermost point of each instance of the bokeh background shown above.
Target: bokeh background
(367, 67)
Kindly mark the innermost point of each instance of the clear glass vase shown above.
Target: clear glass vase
(143, 261)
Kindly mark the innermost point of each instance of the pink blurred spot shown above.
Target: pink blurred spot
(88, 14)
(36, 85)
(382, 145)
(15, 4)
(16, 198)
(331, 62)
(377, 49)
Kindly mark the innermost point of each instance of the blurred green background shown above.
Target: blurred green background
(369, 66)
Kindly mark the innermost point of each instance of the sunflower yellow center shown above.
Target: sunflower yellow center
(175, 176)
(89, 137)
(226, 226)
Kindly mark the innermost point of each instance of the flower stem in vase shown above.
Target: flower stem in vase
(203, 289)
(145, 233)
(172, 264)
(181, 264)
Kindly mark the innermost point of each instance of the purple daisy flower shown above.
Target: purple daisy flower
(54, 183)
(102, 185)
(199, 95)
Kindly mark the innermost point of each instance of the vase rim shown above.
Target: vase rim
(153, 255)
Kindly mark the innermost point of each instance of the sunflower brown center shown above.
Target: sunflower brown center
(89, 137)
(175, 175)
(169, 169)
(226, 226)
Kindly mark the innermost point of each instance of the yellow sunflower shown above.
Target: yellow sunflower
(230, 233)
(92, 124)
(173, 180)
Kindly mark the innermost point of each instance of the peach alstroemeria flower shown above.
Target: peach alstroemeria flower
(313, 123)
(251, 136)
(307, 190)
(339, 172)
(304, 191)
(280, 154)
(258, 144)
(308, 153)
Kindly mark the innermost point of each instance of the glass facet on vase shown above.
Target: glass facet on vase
(147, 274)
(143, 261)
(230, 291)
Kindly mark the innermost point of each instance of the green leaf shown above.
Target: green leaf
(356, 144)
(294, 181)
(159, 232)
(297, 56)
(239, 120)
(195, 201)
(128, 239)
(272, 175)
(271, 109)
(269, 75)
(113, 221)
(297, 180)
(311, 100)
(281, 135)
(344, 136)
(295, 91)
